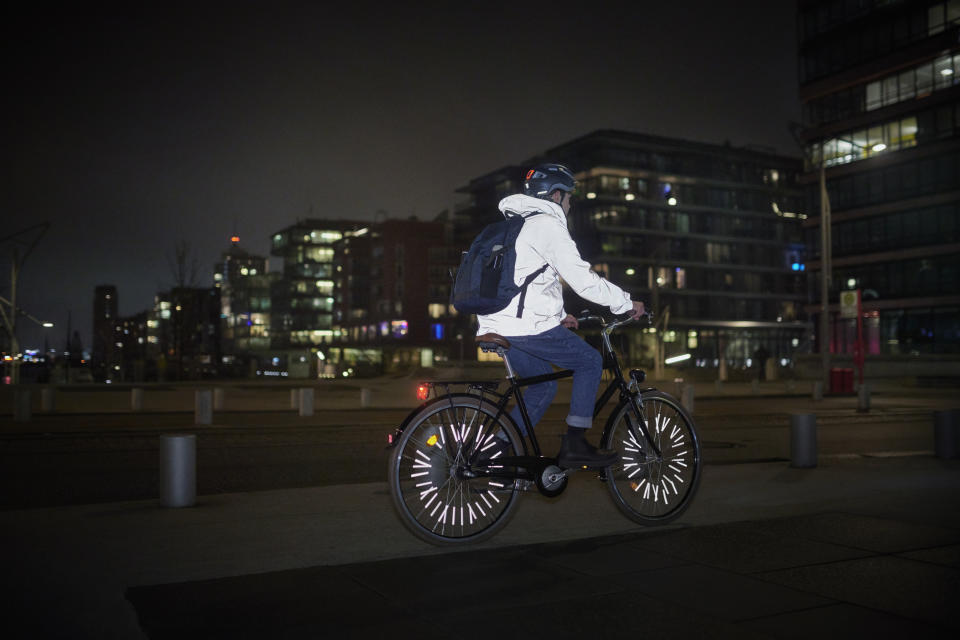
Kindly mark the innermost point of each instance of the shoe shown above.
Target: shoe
(577, 452)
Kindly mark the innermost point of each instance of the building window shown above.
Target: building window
(398, 328)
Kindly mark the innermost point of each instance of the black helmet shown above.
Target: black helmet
(544, 179)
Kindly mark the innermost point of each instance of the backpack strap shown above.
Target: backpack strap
(530, 278)
(526, 283)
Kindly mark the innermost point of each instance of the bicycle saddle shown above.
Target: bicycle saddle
(490, 341)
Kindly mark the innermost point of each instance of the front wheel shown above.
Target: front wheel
(648, 488)
(443, 474)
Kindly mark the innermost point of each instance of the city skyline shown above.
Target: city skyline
(131, 133)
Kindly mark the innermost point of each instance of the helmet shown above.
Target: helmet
(544, 179)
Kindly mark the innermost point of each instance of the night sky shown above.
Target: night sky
(130, 132)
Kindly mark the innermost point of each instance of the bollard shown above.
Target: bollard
(136, 399)
(218, 399)
(21, 406)
(946, 429)
(203, 406)
(47, 399)
(294, 398)
(863, 398)
(306, 401)
(178, 470)
(818, 390)
(686, 398)
(366, 397)
(803, 440)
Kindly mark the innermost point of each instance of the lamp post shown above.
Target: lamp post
(826, 250)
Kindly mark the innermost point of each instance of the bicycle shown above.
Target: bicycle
(458, 464)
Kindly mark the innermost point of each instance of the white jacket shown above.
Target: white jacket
(544, 239)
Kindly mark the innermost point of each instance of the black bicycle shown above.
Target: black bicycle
(458, 464)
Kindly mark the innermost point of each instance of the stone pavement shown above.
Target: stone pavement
(859, 546)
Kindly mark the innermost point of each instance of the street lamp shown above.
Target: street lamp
(826, 250)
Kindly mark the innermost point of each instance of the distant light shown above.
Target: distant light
(591, 195)
(795, 266)
(946, 72)
(852, 283)
(672, 201)
(234, 239)
(878, 147)
(685, 356)
(629, 197)
(47, 325)
(631, 271)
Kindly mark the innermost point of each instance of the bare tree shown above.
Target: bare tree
(184, 269)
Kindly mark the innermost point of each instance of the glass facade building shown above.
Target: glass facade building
(880, 87)
(708, 235)
(302, 302)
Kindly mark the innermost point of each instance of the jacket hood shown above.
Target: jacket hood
(520, 204)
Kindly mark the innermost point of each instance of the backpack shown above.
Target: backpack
(484, 281)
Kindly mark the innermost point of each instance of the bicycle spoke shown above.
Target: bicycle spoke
(432, 478)
(648, 487)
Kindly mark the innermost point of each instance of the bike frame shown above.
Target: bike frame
(618, 383)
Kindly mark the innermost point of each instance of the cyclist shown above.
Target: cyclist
(541, 336)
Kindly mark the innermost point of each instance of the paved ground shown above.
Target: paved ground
(866, 544)
(858, 546)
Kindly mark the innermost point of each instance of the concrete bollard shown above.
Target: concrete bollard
(294, 398)
(203, 406)
(818, 390)
(22, 409)
(178, 470)
(803, 440)
(686, 398)
(48, 399)
(863, 398)
(306, 401)
(136, 399)
(366, 397)
(946, 434)
(218, 399)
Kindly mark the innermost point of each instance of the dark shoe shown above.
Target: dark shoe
(577, 452)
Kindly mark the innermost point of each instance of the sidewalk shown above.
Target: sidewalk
(858, 545)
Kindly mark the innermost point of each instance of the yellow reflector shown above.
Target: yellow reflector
(432, 440)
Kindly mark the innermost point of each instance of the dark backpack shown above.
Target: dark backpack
(484, 282)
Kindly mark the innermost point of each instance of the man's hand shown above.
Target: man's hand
(571, 323)
(637, 310)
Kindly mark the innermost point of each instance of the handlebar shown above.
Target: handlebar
(618, 321)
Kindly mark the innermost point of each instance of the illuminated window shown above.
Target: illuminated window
(398, 328)
(691, 339)
(436, 310)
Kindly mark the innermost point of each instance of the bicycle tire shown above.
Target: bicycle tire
(427, 492)
(646, 490)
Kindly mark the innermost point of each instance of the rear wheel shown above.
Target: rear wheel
(647, 488)
(438, 470)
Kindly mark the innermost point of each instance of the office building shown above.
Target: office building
(880, 87)
(707, 235)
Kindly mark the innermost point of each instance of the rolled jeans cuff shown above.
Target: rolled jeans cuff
(582, 422)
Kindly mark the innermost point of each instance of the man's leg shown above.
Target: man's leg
(562, 347)
(538, 397)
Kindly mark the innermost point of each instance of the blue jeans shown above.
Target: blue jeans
(533, 355)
